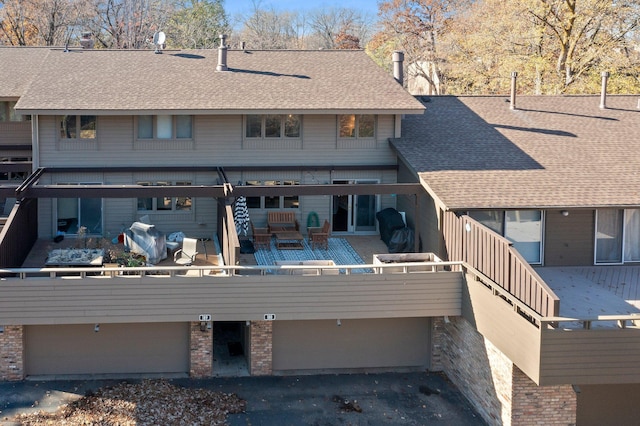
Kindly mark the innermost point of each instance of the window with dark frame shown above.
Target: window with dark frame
(356, 126)
(273, 126)
(77, 127)
(270, 201)
(165, 203)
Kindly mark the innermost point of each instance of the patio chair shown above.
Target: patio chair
(261, 236)
(187, 254)
(319, 236)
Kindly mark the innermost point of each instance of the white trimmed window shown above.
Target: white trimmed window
(168, 204)
(165, 127)
(273, 126)
(357, 126)
(77, 126)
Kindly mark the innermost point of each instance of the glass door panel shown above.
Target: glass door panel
(609, 236)
(365, 213)
(632, 235)
(524, 229)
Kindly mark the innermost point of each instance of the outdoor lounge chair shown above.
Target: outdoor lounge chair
(261, 236)
(187, 254)
(319, 236)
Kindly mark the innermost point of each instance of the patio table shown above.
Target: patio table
(289, 240)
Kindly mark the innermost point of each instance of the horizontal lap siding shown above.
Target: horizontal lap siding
(135, 299)
(16, 133)
(603, 356)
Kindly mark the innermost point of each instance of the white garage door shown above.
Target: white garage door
(114, 349)
(372, 343)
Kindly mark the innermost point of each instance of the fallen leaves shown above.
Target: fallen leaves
(151, 402)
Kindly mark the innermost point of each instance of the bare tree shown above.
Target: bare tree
(269, 29)
(327, 25)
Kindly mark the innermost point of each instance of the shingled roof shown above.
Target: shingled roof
(18, 67)
(551, 152)
(138, 82)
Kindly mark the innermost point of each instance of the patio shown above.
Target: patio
(363, 246)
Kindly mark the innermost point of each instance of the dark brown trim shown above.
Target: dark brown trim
(16, 166)
(218, 191)
(15, 147)
(217, 168)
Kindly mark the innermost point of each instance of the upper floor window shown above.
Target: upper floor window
(77, 127)
(165, 127)
(357, 126)
(8, 112)
(273, 126)
(164, 203)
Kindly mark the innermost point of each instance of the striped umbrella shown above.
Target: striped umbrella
(241, 215)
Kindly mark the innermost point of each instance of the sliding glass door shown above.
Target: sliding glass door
(617, 236)
(73, 213)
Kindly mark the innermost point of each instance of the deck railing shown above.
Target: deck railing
(492, 255)
(227, 270)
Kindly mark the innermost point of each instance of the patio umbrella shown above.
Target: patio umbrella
(241, 215)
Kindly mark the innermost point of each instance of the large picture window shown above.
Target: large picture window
(165, 127)
(77, 126)
(357, 126)
(522, 227)
(168, 204)
(273, 126)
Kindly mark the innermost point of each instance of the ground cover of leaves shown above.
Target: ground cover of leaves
(151, 402)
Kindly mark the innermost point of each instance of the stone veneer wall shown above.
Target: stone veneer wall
(261, 352)
(201, 347)
(498, 390)
(12, 353)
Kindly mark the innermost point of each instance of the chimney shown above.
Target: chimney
(86, 41)
(603, 91)
(398, 59)
(222, 54)
(514, 80)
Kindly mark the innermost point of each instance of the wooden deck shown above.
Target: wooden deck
(589, 291)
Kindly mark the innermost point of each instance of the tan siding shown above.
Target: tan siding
(496, 320)
(16, 133)
(373, 343)
(156, 298)
(603, 356)
(569, 239)
(608, 405)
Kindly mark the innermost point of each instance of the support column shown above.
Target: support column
(12, 353)
(201, 351)
(261, 353)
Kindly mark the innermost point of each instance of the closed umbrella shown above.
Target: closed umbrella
(241, 215)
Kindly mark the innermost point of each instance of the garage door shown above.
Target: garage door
(114, 349)
(374, 343)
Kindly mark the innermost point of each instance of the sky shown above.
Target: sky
(234, 7)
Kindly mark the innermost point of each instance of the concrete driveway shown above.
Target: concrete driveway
(345, 399)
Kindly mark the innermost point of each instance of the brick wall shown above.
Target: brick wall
(537, 405)
(12, 353)
(201, 347)
(498, 390)
(261, 343)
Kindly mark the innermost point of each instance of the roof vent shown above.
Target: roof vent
(514, 81)
(603, 91)
(222, 54)
(86, 40)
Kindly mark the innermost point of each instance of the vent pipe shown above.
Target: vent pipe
(398, 60)
(222, 54)
(603, 91)
(514, 80)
